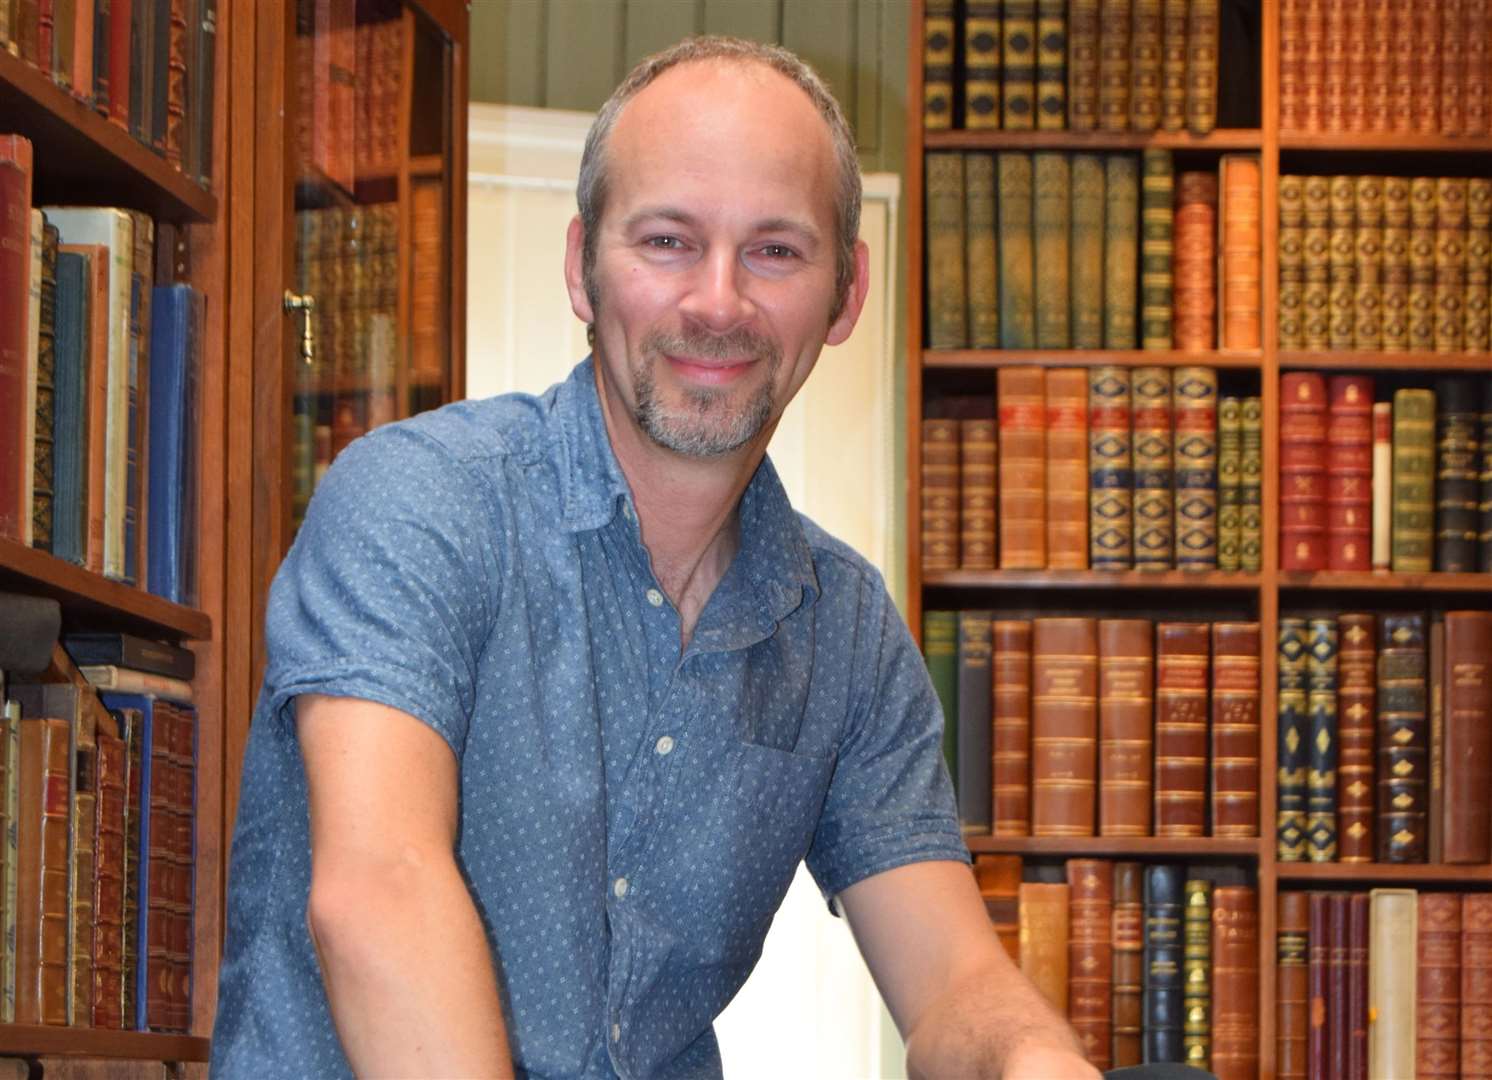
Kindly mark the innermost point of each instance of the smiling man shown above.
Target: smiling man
(561, 691)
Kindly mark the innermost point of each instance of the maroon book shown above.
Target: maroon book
(1318, 957)
(1357, 987)
(15, 276)
(1338, 1023)
(1349, 473)
(1302, 471)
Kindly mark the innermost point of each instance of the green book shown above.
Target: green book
(1412, 524)
(1120, 250)
(940, 648)
(1085, 278)
(1291, 237)
(1229, 483)
(979, 251)
(1018, 37)
(1194, 405)
(1154, 529)
(1157, 195)
(937, 65)
(1251, 487)
(946, 292)
(1053, 209)
(1196, 990)
(1017, 268)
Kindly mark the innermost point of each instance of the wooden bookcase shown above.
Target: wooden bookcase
(1262, 595)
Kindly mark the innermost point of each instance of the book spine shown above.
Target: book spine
(1241, 218)
(1424, 71)
(1126, 696)
(1113, 64)
(1196, 959)
(1121, 249)
(940, 650)
(1356, 71)
(981, 65)
(15, 269)
(1018, 77)
(1394, 294)
(1153, 521)
(1391, 983)
(1229, 482)
(1435, 698)
(1110, 469)
(1082, 65)
(1235, 982)
(1291, 67)
(940, 494)
(1313, 66)
(82, 824)
(947, 319)
(1195, 299)
(1334, 103)
(44, 448)
(1302, 471)
(1456, 468)
(1173, 65)
(1357, 697)
(1016, 273)
(1067, 468)
(1011, 671)
(1437, 1017)
(1235, 729)
(1321, 761)
(1163, 964)
(977, 455)
(1144, 65)
(1091, 957)
(1292, 995)
(1380, 66)
(1403, 765)
(1476, 984)
(1290, 752)
(1468, 737)
(1452, 69)
(1473, 77)
(1129, 963)
(1251, 487)
(980, 254)
(1316, 262)
(108, 886)
(999, 880)
(42, 900)
(34, 245)
(1337, 999)
(1349, 472)
(975, 710)
(1086, 273)
(1051, 228)
(1357, 986)
(1044, 916)
(1422, 240)
(1318, 968)
(1022, 485)
(1450, 262)
(1383, 468)
(1051, 65)
(1403, 51)
(10, 806)
(1064, 726)
(1484, 514)
(1477, 302)
(1413, 515)
(1181, 665)
(1201, 66)
(1341, 261)
(1367, 300)
(1156, 247)
(1194, 402)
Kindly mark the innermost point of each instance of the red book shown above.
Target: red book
(1467, 688)
(1181, 662)
(1302, 471)
(119, 61)
(1357, 987)
(1476, 985)
(15, 278)
(1338, 1023)
(1349, 472)
(1437, 1009)
(1318, 958)
(1235, 729)
(1091, 956)
(1357, 693)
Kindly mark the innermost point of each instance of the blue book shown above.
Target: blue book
(175, 351)
(70, 418)
(1162, 991)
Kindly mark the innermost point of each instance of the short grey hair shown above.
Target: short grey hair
(590, 192)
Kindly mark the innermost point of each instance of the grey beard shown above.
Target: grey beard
(707, 423)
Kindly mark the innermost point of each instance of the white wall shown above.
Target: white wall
(809, 1009)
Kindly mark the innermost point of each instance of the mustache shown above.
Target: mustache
(738, 344)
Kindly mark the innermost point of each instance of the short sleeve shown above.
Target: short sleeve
(890, 801)
(391, 585)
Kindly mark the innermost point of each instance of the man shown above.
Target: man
(560, 691)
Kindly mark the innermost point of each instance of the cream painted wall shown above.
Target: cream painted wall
(835, 451)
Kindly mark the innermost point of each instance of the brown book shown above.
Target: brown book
(1312, 65)
(1201, 66)
(1194, 264)
(1437, 1012)
(41, 884)
(1181, 661)
(1318, 968)
(1144, 66)
(940, 494)
(1126, 697)
(1129, 962)
(1402, 61)
(1113, 64)
(976, 487)
(1424, 70)
(1357, 986)
(1403, 765)
(1240, 214)
(1334, 100)
(1357, 693)
(1349, 472)
(1476, 985)
(1011, 673)
(1355, 72)
(1067, 469)
(1022, 467)
(1379, 105)
(1468, 737)
(1064, 726)
(1091, 957)
(1291, 992)
(1082, 65)
(1452, 70)
(95, 337)
(999, 880)
(108, 887)
(1435, 726)
(1302, 471)
(1044, 930)
(1235, 729)
(1235, 982)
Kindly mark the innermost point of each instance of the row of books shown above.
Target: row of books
(1404, 484)
(1053, 250)
(1385, 738)
(1388, 983)
(147, 65)
(1149, 962)
(1385, 263)
(1099, 726)
(1379, 66)
(1076, 65)
(1108, 468)
(98, 389)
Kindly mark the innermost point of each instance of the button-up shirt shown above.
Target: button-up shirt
(631, 813)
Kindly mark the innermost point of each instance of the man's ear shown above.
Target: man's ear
(580, 303)
(854, 301)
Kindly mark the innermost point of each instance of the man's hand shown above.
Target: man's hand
(1041, 1062)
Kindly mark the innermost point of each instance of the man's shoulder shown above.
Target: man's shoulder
(511, 426)
(836, 561)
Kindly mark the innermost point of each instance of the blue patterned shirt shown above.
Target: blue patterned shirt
(630, 815)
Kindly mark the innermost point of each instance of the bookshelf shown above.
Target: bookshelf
(1265, 595)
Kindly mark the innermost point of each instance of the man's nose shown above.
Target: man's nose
(717, 297)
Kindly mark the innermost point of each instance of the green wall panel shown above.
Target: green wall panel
(583, 51)
(653, 25)
(756, 20)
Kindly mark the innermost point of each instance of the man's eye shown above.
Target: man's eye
(778, 251)
(665, 243)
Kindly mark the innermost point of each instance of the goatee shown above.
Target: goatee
(708, 422)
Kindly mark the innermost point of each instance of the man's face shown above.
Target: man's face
(713, 282)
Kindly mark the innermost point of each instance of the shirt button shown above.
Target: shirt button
(616, 1032)
(664, 745)
(655, 598)
(627, 512)
(619, 887)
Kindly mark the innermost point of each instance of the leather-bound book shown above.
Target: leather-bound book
(43, 448)
(1157, 229)
(1229, 481)
(1051, 65)
(1064, 726)
(1413, 518)
(1067, 468)
(1313, 66)
(15, 341)
(975, 721)
(1173, 65)
(940, 651)
(1477, 301)
(1240, 217)
(1393, 299)
(1113, 64)
(1085, 277)
(1316, 249)
(1292, 49)
(1403, 56)
(1053, 226)
(1468, 737)
(1334, 104)
(1342, 262)
(1195, 264)
(1110, 471)
(1484, 532)
(1016, 272)
(1476, 985)
(1355, 95)
(1403, 765)
(1201, 66)
(42, 908)
(1450, 262)
(1022, 483)
(1290, 754)
(1144, 65)
(1452, 71)
(1424, 71)
(1338, 996)
(1235, 982)
(1043, 940)
(1367, 331)
(1475, 51)
(980, 280)
(1091, 957)
(1422, 239)
(1370, 68)
(1235, 729)
(1082, 65)
(1357, 985)
(1018, 75)
(981, 65)
(1194, 401)
(1251, 487)
(1129, 962)
(82, 824)
(1357, 695)
(1383, 486)
(1126, 695)
(1153, 474)
(1121, 250)
(1318, 1032)
(1437, 1014)
(947, 291)
(1456, 473)
(1435, 724)
(940, 494)
(1291, 993)
(1349, 472)
(1162, 999)
(999, 880)
(976, 493)
(1196, 973)
(1181, 663)
(108, 885)
(1321, 759)
(1011, 664)
(1391, 983)
(1302, 471)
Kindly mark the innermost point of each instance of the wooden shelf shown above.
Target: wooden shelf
(1384, 581)
(1386, 361)
(1221, 139)
(1091, 579)
(1384, 143)
(82, 157)
(993, 359)
(87, 598)
(427, 165)
(90, 1042)
(1148, 846)
(1406, 873)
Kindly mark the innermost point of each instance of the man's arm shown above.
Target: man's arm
(963, 1008)
(405, 961)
